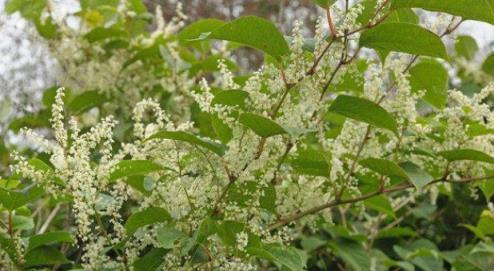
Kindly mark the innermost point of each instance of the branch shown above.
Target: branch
(338, 202)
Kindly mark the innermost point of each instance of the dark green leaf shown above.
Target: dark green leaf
(195, 29)
(480, 10)
(215, 147)
(363, 110)
(254, 32)
(384, 167)
(49, 238)
(405, 38)
(44, 255)
(230, 98)
(86, 101)
(467, 154)
(353, 254)
(228, 230)
(128, 168)
(151, 261)
(12, 200)
(488, 65)
(380, 204)
(262, 126)
(286, 258)
(148, 216)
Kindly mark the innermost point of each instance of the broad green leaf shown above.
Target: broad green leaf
(128, 168)
(381, 204)
(352, 254)
(12, 200)
(405, 38)
(417, 176)
(254, 32)
(230, 98)
(467, 154)
(262, 126)
(195, 29)
(102, 33)
(49, 238)
(86, 101)
(487, 188)
(151, 261)
(310, 162)
(488, 65)
(384, 167)
(228, 230)
(29, 9)
(215, 147)
(168, 237)
(396, 232)
(479, 10)
(286, 258)
(148, 216)
(431, 76)
(404, 15)
(44, 255)
(47, 28)
(466, 47)
(267, 200)
(363, 110)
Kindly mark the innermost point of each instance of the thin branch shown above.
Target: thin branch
(330, 19)
(49, 219)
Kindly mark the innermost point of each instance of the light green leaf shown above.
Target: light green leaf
(168, 237)
(353, 254)
(49, 238)
(151, 261)
(228, 230)
(148, 216)
(384, 167)
(128, 168)
(261, 125)
(254, 32)
(487, 188)
(404, 15)
(405, 38)
(418, 177)
(467, 154)
(310, 162)
(215, 147)
(480, 10)
(102, 33)
(466, 47)
(86, 101)
(363, 110)
(431, 76)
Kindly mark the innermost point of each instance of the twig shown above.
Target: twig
(49, 219)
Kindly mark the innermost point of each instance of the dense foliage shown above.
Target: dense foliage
(368, 146)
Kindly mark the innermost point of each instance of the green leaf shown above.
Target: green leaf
(487, 188)
(267, 200)
(363, 110)
(380, 204)
(128, 168)
(467, 154)
(44, 255)
(47, 28)
(230, 98)
(405, 38)
(168, 237)
(254, 32)
(102, 33)
(228, 230)
(405, 15)
(352, 253)
(86, 101)
(488, 65)
(215, 147)
(261, 125)
(324, 3)
(49, 238)
(12, 200)
(151, 261)
(384, 167)
(195, 29)
(148, 216)
(286, 258)
(418, 177)
(480, 10)
(466, 47)
(431, 76)
(310, 162)
(396, 232)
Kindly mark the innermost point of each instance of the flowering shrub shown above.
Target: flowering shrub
(366, 147)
